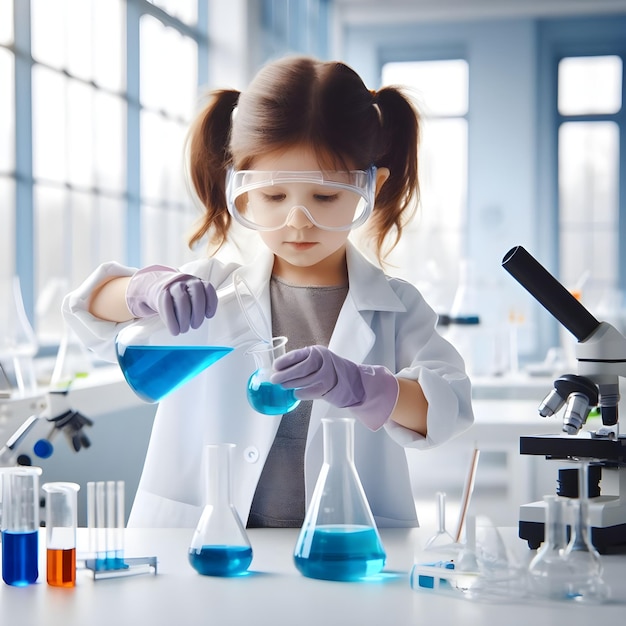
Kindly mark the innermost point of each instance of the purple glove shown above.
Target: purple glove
(181, 300)
(369, 391)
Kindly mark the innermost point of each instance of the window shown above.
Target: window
(588, 97)
(99, 155)
(436, 234)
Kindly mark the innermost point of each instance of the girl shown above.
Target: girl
(303, 156)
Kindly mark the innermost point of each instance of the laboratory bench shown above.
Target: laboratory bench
(274, 593)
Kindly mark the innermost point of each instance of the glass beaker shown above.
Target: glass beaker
(339, 539)
(220, 545)
(264, 396)
(61, 522)
(20, 525)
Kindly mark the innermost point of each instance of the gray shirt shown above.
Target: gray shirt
(306, 316)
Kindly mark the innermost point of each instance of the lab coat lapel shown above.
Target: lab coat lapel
(353, 337)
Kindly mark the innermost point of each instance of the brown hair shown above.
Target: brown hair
(324, 105)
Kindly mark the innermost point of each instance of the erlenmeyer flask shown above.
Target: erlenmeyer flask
(549, 573)
(586, 583)
(155, 362)
(220, 545)
(264, 396)
(339, 539)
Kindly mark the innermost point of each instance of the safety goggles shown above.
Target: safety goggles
(331, 200)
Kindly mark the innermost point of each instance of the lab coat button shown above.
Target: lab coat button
(251, 454)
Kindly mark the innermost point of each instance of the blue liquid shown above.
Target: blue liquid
(221, 560)
(271, 399)
(155, 371)
(19, 558)
(340, 552)
(110, 560)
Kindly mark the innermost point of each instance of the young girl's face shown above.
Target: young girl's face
(305, 254)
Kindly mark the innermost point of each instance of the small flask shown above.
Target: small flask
(549, 572)
(586, 583)
(61, 522)
(339, 539)
(264, 396)
(20, 525)
(220, 545)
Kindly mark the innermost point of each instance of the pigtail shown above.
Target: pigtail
(209, 157)
(399, 141)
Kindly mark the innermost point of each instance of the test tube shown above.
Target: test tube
(105, 520)
(61, 522)
(20, 525)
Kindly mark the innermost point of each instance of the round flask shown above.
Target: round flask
(220, 545)
(339, 539)
(264, 396)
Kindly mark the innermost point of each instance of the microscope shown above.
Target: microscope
(601, 357)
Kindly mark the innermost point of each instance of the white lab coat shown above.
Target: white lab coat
(383, 321)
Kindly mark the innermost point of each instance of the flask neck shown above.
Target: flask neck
(556, 525)
(217, 473)
(338, 440)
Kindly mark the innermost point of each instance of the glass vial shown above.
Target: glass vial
(61, 522)
(20, 525)
(263, 396)
(339, 539)
(220, 545)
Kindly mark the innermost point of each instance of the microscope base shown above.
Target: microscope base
(607, 520)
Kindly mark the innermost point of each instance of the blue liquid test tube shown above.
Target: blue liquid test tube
(105, 519)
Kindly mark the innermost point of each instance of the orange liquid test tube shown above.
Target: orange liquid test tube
(61, 521)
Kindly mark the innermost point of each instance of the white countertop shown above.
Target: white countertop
(274, 593)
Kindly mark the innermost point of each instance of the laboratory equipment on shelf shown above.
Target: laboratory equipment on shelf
(601, 356)
(339, 539)
(36, 433)
(263, 395)
(20, 525)
(18, 343)
(61, 522)
(220, 545)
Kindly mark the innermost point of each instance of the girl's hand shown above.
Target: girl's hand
(181, 300)
(369, 391)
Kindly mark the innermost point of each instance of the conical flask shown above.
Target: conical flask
(220, 545)
(339, 539)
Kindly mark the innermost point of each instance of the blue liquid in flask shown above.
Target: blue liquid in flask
(19, 558)
(342, 552)
(155, 371)
(221, 560)
(270, 399)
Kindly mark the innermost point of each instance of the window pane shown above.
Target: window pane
(110, 142)
(431, 249)
(441, 86)
(185, 10)
(48, 32)
(6, 22)
(49, 131)
(166, 85)
(78, 55)
(590, 85)
(164, 234)
(108, 45)
(7, 232)
(80, 122)
(7, 111)
(588, 206)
